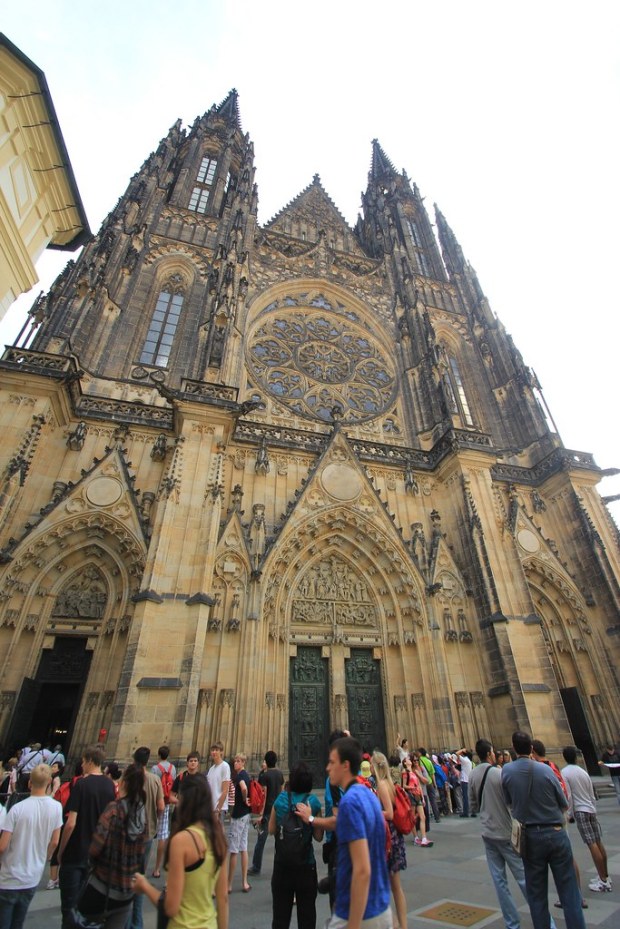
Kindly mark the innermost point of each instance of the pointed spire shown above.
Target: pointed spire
(452, 251)
(380, 164)
(229, 108)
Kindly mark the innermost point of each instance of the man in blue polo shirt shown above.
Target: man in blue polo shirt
(362, 882)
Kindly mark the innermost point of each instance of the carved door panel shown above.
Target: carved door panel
(365, 699)
(309, 711)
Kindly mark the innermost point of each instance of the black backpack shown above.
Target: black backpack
(293, 839)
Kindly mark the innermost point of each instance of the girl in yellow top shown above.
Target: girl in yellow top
(196, 863)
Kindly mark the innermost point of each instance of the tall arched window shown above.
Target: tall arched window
(459, 392)
(164, 322)
(204, 182)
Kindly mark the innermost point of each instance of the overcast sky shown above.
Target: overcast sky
(506, 115)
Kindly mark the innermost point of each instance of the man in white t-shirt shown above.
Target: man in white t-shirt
(31, 830)
(466, 766)
(218, 777)
(582, 808)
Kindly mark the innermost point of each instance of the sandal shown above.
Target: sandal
(247, 889)
(156, 874)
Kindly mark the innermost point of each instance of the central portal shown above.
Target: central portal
(365, 700)
(309, 712)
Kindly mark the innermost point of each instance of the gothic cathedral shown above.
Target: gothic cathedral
(262, 481)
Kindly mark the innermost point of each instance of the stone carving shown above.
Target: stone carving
(83, 598)
(91, 700)
(214, 624)
(262, 465)
(331, 592)
(227, 697)
(75, 440)
(158, 452)
(205, 696)
(411, 484)
(32, 620)
(400, 702)
(462, 698)
(257, 533)
(270, 700)
(10, 619)
(281, 701)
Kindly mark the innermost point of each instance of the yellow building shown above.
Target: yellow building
(261, 481)
(40, 206)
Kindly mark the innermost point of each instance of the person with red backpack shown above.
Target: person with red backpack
(167, 773)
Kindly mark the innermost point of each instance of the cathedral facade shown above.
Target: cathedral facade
(261, 481)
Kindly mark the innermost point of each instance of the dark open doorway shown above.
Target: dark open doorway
(48, 704)
(579, 727)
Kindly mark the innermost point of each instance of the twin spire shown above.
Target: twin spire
(380, 168)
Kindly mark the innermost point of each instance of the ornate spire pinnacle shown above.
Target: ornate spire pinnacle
(229, 109)
(451, 250)
(380, 164)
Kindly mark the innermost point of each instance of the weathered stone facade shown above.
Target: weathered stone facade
(261, 481)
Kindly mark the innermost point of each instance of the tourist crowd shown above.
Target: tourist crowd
(106, 833)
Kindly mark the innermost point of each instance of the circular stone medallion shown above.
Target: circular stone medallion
(104, 491)
(528, 541)
(341, 481)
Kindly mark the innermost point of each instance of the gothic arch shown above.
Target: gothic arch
(577, 654)
(566, 630)
(42, 567)
(337, 532)
(177, 258)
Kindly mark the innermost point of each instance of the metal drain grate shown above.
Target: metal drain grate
(456, 914)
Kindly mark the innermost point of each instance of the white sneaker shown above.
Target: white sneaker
(52, 885)
(599, 886)
(425, 842)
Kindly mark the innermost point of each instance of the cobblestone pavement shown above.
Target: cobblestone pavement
(453, 870)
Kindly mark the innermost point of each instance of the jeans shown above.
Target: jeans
(616, 782)
(465, 795)
(259, 848)
(14, 906)
(500, 853)
(299, 884)
(432, 799)
(549, 847)
(136, 919)
(71, 878)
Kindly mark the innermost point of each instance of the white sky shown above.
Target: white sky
(504, 114)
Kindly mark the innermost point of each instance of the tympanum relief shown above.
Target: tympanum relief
(332, 592)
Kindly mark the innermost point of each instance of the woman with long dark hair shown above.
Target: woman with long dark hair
(116, 850)
(196, 863)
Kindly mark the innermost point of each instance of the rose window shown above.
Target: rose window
(312, 361)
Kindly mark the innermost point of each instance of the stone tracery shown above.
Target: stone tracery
(311, 360)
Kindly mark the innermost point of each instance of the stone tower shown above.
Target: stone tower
(261, 481)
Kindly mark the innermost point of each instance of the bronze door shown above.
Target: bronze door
(309, 712)
(365, 699)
